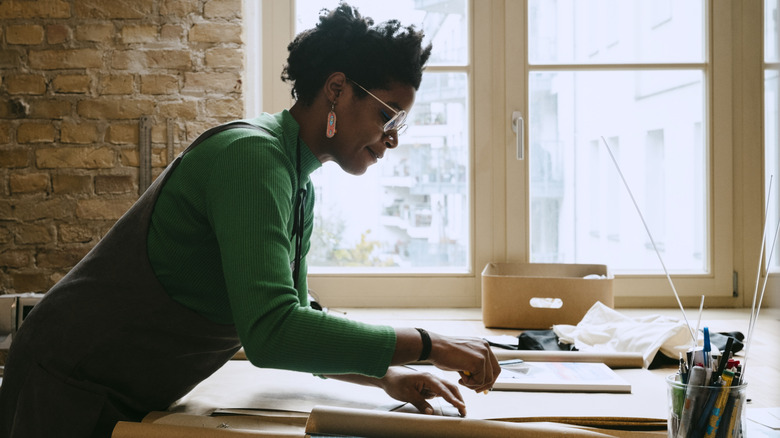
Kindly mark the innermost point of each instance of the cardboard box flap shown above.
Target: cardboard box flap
(543, 270)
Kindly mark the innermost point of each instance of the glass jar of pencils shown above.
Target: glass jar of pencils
(716, 410)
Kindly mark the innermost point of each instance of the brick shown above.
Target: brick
(133, 60)
(75, 157)
(112, 9)
(141, 33)
(50, 109)
(27, 34)
(184, 110)
(25, 84)
(102, 208)
(6, 236)
(122, 134)
(14, 158)
(35, 133)
(159, 157)
(29, 183)
(179, 8)
(71, 84)
(225, 58)
(27, 234)
(15, 259)
(60, 258)
(159, 161)
(172, 32)
(66, 58)
(142, 61)
(69, 233)
(212, 82)
(172, 59)
(31, 282)
(159, 133)
(69, 184)
(79, 133)
(57, 33)
(11, 58)
(43, 209)
(96, 32)
(222, 9)
(129, 157)
(35, 9)
(7, 210)
(195, 128)
(14, 108)
(5, 133)
(159, 84)
(114, 184)
(215, 33)
(233, 108)
(116, 84)
(115, 108)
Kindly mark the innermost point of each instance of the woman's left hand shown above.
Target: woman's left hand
(415, 387)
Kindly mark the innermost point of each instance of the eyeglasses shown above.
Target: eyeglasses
(394, 123)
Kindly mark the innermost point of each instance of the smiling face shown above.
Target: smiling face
(360, 140)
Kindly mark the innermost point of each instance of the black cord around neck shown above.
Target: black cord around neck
(299, 208)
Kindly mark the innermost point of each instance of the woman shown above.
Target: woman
(212, 257)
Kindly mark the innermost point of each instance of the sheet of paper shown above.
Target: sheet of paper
(561, 377)
(239, 385)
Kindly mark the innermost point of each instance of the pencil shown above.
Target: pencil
(720, 405)
(468, 374)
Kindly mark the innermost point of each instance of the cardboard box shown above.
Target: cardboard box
(538, 295)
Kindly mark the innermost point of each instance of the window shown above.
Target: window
(639, 76)
(658, 80)
(652, 110)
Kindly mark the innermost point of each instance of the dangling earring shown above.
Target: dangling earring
(330, 129)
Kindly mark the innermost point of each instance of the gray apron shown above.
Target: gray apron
(107, 343)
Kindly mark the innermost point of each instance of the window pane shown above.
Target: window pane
(771, 39)
(615, 31)
(410, 210)
(444, 22)
(580, 210)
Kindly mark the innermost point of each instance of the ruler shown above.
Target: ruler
(144, 153)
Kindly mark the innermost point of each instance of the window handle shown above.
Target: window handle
(518, 126)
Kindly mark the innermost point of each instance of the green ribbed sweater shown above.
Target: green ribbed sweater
(219, 242)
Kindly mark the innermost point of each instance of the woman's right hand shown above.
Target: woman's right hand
(472, 358)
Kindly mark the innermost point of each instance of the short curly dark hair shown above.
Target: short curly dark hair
(345, 41)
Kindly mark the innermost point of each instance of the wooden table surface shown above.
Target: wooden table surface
(763, 361)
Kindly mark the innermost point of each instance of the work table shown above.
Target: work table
(286, 398)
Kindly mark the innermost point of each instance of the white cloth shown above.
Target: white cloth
(605, 329)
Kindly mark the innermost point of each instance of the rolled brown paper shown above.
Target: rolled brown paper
(126, 429)
(610, 359)
(378, 424)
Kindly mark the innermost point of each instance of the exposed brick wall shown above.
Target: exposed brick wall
(75, 77)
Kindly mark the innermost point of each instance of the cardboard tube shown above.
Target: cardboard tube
(612, 360)
(377, 424)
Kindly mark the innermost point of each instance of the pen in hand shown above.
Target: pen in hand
(468, 374)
